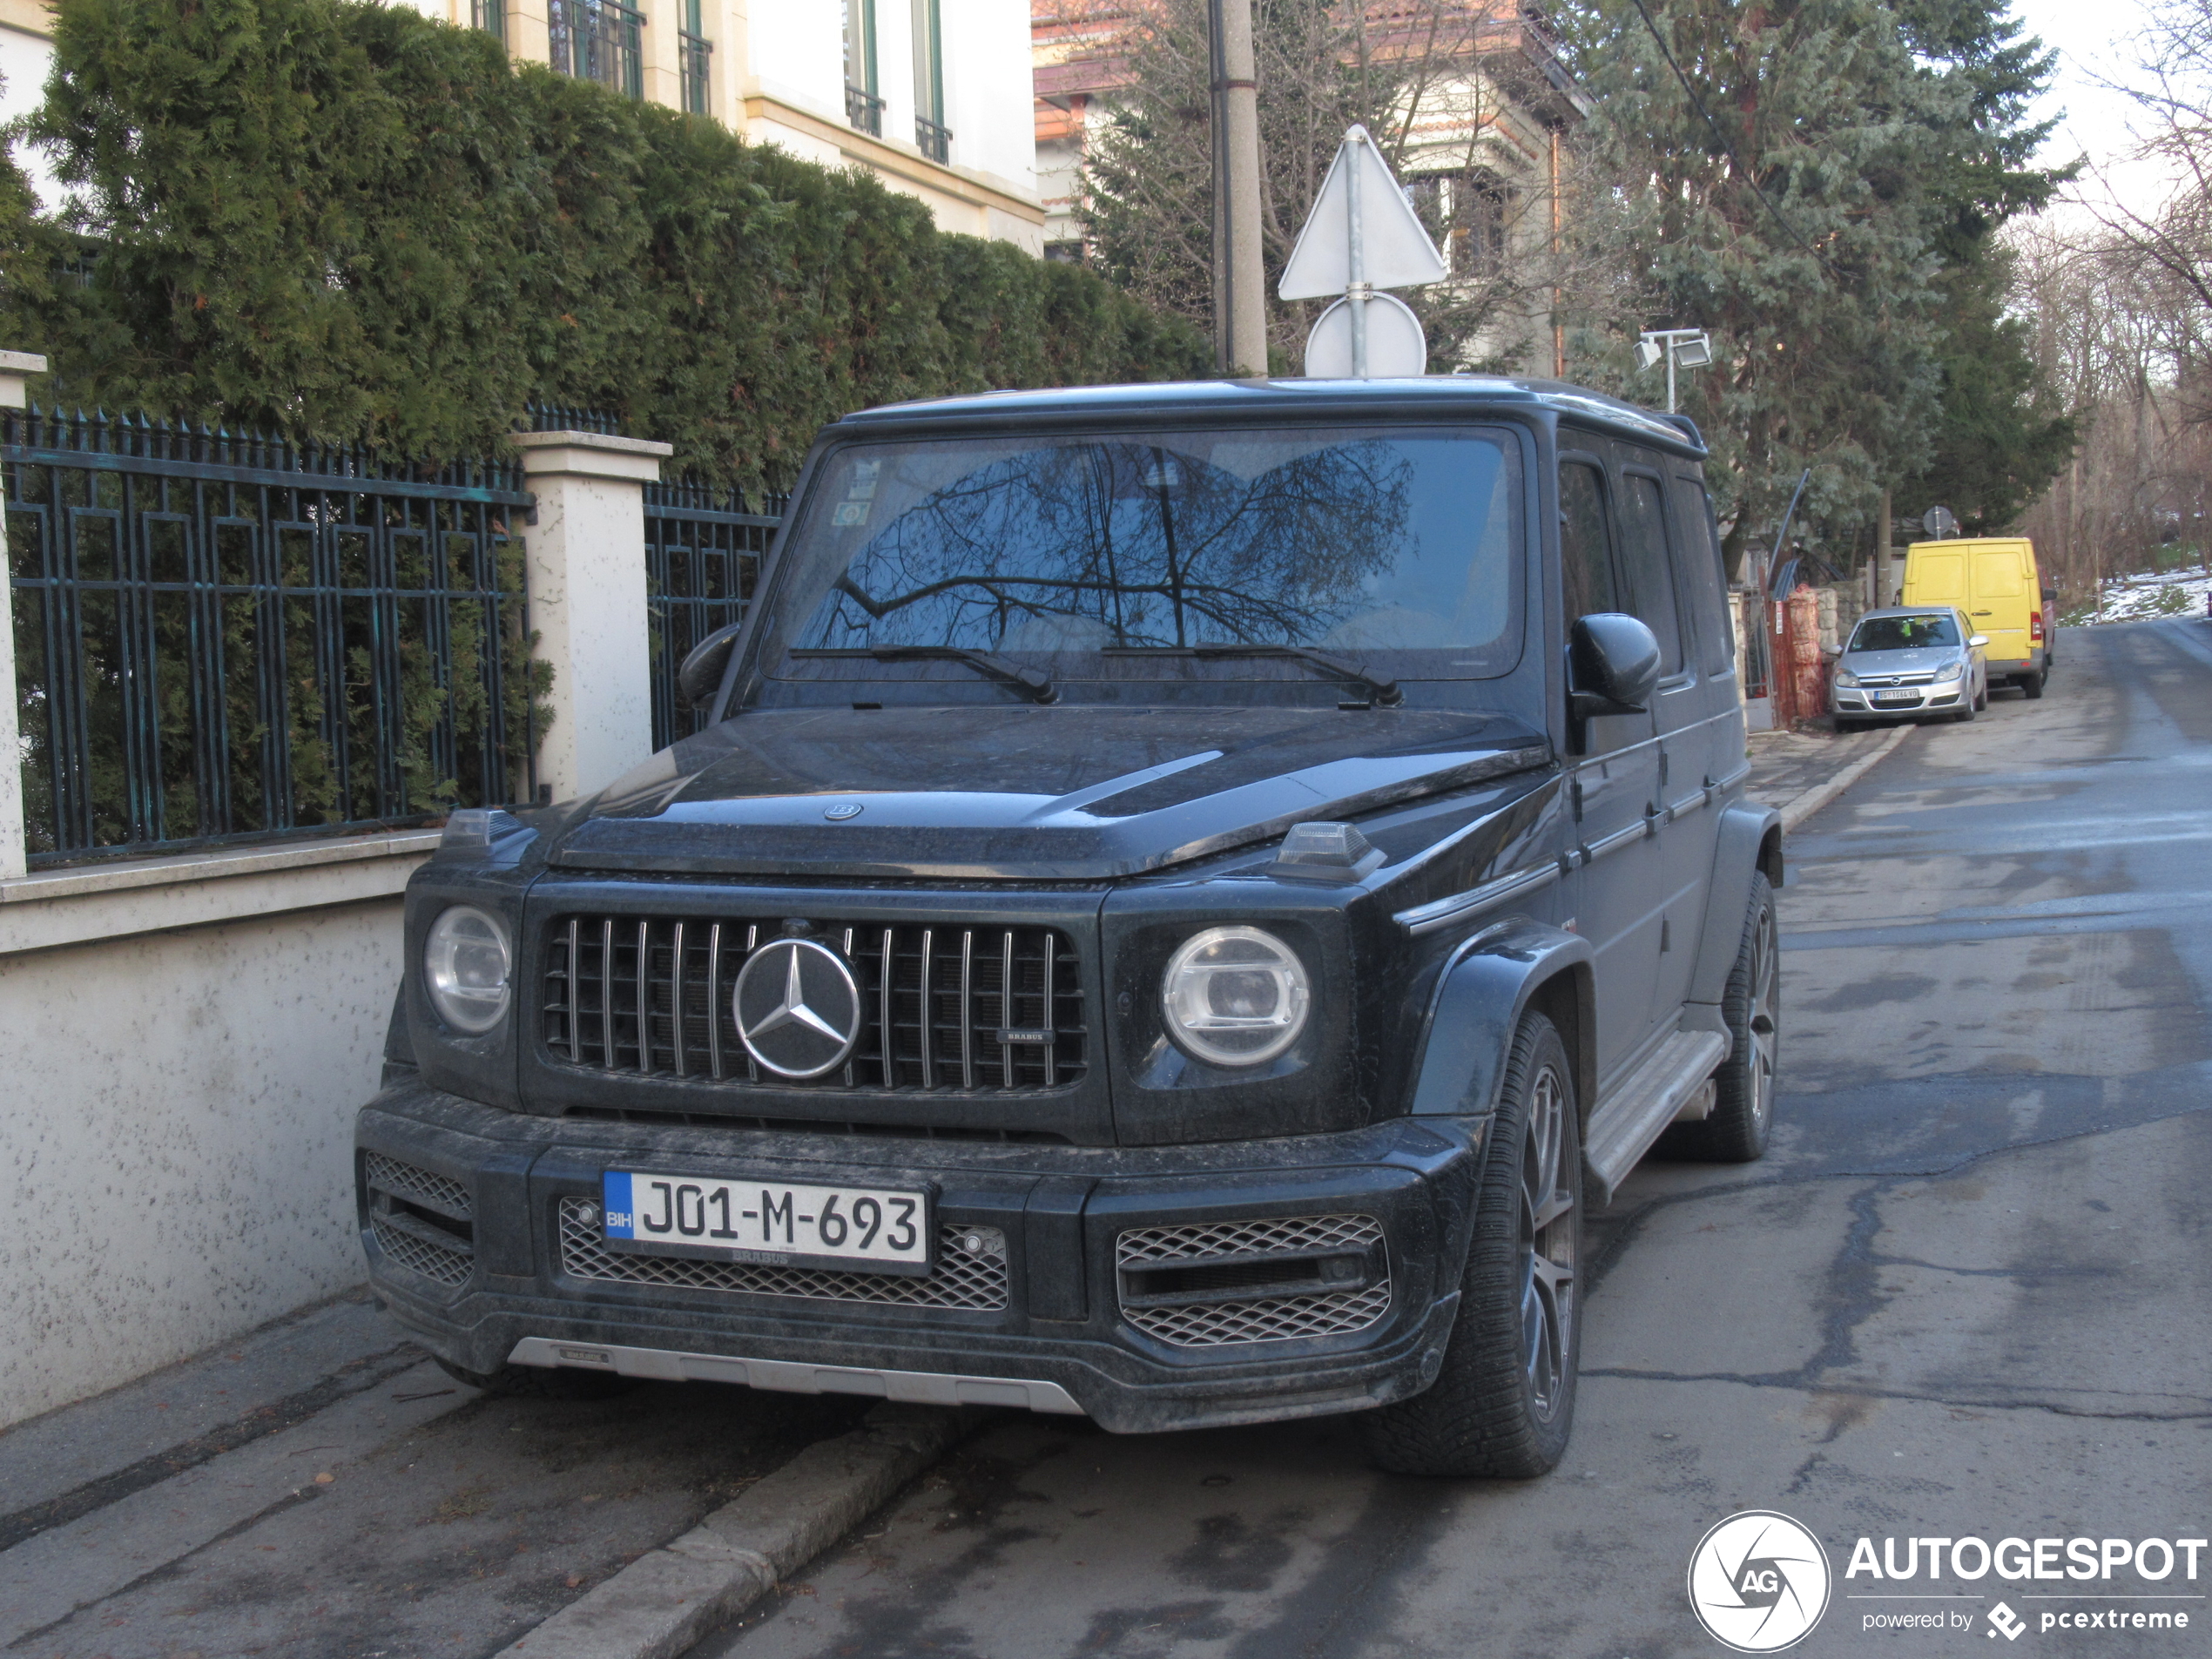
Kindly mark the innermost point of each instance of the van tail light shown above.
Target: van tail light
(2034, 627)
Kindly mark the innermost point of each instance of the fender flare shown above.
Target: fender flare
(1485, 987)
(1749, 838)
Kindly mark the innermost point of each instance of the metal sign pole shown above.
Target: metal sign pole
(1357, 290)
(1670, 377)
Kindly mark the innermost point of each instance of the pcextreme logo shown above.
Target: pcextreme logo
(1758, 1582)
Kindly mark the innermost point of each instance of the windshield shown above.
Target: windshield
(1103, 555)
(1904, 633)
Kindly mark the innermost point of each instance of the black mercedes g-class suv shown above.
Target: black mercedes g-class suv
(1184, 894)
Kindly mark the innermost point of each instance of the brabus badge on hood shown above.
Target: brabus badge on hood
(842, 811)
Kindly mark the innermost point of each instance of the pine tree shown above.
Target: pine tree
(1791, 218)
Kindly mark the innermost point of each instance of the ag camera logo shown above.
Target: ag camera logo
(1758, 1582)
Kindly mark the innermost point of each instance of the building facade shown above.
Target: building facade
(1482, 158)
(931, 96)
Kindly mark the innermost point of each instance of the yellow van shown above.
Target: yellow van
(1994, 580)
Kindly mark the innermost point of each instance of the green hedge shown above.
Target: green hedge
(346, 222)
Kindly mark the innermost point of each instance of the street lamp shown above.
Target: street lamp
(1687, 347)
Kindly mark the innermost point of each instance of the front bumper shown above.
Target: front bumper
(1046, 1314)
(1928, 699)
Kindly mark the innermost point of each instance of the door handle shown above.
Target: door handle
(1985, 613)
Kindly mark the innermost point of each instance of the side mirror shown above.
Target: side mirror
(1977, 642)
(2050, 595)
(701, 675)
(1612, 661)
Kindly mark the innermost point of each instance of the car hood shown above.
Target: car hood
(1055, 793)
(1925, 659)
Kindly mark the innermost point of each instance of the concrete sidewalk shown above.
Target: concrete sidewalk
(321, 1489)
(1797, 772)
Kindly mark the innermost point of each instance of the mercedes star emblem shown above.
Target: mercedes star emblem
(798, 1008)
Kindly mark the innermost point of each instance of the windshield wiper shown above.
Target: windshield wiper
(1037, 685)
(1386, 690)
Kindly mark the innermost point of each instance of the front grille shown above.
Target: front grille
(651, 996)
(420, 1255)
(1220, 1257)
(404, 1180)
(963, 1278)
(1882, 681)
(421, 1221)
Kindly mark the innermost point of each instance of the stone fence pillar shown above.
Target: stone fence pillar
(16, 367)
(586, 555)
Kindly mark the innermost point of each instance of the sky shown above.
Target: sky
(2095, 43)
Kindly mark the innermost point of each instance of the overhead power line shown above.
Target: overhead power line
(1719, 137)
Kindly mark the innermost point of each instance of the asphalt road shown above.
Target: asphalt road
(1966, 1294)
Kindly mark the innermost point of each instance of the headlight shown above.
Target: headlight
(1236, 996)
(1845, 677)
(465, 966)
(1950, 672)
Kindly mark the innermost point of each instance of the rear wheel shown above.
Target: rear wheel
(1503, 1402)
(2032, 685)
(1735, 1132)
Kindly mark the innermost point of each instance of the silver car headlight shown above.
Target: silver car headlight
(467, 963)
(1845, 677)
(1236, 996)
(1950, 672)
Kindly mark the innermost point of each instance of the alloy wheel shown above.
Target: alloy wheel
(1766, 1005)
(1548, 1309)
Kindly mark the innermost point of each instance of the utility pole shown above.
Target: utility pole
(1239, 277)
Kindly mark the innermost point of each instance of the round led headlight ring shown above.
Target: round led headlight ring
(1235, 996)
(467, 963)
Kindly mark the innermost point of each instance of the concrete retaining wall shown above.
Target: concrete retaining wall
(176, 1144)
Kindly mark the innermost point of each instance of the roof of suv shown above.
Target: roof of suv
(1242, 398)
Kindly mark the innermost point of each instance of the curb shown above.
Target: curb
(672, 1597)
(1798, 808)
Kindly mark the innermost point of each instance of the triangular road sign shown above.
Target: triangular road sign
(1395, 250)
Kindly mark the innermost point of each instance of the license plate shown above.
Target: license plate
(775, 1223)
(1897, 697)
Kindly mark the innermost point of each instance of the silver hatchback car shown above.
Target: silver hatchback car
(1910, 662)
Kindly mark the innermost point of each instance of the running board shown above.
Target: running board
(1648, 1099)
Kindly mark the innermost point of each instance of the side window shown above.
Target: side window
(1651, 583)
(1703, 578)
(1585, 547)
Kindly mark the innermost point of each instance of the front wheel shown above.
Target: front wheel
(1503, 1403)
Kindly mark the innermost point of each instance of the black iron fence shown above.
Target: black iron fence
(704, 549)
(222, 636)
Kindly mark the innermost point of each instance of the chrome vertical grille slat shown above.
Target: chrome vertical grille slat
(651, 996)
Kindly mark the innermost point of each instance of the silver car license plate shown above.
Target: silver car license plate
(779, 1224)
(1889, 699)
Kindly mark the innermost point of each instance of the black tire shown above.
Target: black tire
(1966, 711)
(1981, 700)
(1503, 1403)
(541, 1382)
(1743, 1087)
(2031, 685)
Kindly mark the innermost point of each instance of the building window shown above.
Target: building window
(863, 108)
(695, 48)
(1466, 214)
(599, 40)
(490, 15)
(933, 138)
